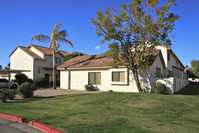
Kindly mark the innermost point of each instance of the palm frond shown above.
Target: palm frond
(61, 34)
(41, 38)
(56, 27)
(64, 40)
(51, 45)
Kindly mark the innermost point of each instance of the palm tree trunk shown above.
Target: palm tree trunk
(54, 70)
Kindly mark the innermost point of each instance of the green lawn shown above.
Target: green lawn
(114, 112)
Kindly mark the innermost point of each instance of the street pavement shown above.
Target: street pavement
(7, 126)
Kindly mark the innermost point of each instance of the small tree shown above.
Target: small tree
(142, 24)
(72, 55)
(21, 78)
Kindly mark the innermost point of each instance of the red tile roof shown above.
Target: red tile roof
(87, 61)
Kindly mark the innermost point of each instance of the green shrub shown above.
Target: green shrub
(90, 87)
(42, 82)
(160, 88)
(21, 78)
(146, 89)
(11, 94)
(29, 80)
(7, 94)
(3, 95)
(26, 90)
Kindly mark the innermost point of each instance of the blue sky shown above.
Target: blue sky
(20, 20)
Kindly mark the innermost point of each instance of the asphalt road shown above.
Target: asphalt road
(7, 126)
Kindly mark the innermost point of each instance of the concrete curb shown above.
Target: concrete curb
(12, 117)
(35, 124)
(44, 127)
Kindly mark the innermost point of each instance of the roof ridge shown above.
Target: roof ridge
(37, 45)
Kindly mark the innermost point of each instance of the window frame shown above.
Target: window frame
(58, 61)
(160, 74)
(118, 72)
(95, 78)
(126, 76)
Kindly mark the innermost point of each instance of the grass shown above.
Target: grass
(190, 90)
(114, 112)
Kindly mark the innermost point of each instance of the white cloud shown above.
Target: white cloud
(97, 47)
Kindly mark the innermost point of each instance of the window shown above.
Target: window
(170, 74)
(158, 72)
(118, 77)
(38, 70)
(94, 78)
(58, 60)
(168, 56)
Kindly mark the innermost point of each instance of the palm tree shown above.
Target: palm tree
(56, 37)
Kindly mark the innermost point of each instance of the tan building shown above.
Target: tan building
(37, 59)
(164, 67)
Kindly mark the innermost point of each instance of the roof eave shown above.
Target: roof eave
(89, 68)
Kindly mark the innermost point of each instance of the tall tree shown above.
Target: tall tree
(56, 37)
(8, 67)
(142, 24)
(1, 67)
(195, 67)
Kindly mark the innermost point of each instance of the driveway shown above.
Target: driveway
(7, 126)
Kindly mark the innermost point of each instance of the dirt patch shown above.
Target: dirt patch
(44, 93)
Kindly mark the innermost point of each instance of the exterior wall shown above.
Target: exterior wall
(49, 60)
(47, 63)
(64, 79)
(79, 78)
(20, 60)
(173, 84)
(177, 73)
(164, 54)
(157, 63)
(38, 63)
(170, 63)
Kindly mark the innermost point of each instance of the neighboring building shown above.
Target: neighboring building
(4, 76)
(164, 67)
(37, 59)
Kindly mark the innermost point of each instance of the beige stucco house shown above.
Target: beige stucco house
(164, 67)
(37, 59)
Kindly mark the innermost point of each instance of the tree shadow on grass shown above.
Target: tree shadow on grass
(189, 90)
